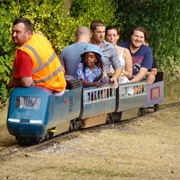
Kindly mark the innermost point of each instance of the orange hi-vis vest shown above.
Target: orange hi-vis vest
(47, 69)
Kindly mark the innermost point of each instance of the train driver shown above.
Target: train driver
(35, 63)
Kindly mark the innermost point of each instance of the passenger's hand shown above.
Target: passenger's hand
(107, 78)
(111, 73)
(97, 84)
(115, 82)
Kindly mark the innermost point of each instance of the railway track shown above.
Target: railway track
(16, 148)
(9, 150)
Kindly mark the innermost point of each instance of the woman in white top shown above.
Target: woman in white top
(112, 36)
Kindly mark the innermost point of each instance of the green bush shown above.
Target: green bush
(59, 19)
(54, 18)
(161, 18)
(8, 10)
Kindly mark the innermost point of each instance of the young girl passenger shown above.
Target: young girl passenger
(91, 72)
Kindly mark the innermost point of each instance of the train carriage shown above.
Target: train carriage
(97, 103)
(155, 95)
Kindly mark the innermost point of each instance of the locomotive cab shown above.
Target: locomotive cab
(38, 113)
(27, 114)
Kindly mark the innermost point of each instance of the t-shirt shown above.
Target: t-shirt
(88, 75)
(154, 65)
(70, 57)
(23, 65)
(142, 58)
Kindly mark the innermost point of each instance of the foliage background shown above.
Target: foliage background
(58, 20)
(161, 18)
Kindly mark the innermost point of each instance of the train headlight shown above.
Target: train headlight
(26, 102)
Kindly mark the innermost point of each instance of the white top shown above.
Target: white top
(122, 79)
(122, 60)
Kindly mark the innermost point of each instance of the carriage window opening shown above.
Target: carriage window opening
(98, 94)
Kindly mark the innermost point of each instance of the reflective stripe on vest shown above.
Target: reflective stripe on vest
(49, 77)
(42, 66)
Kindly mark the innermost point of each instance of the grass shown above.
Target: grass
(145, 149)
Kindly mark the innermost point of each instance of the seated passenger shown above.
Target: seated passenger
(112, 36)
(91, 71)
(70, 56)
(36, 63)
(151, 74)
(142, 56)
(108, 50)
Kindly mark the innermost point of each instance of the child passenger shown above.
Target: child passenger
(91, 71)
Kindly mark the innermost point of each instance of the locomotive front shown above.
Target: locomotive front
(27, 113)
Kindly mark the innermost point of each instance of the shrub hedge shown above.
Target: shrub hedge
(58, 20)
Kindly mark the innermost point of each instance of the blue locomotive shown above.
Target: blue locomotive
(37, 113)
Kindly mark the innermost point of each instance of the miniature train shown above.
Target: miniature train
(37, 113)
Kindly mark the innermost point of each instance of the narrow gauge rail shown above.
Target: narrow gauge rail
(30, 146)
(7, 151)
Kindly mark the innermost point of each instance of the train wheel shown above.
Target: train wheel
(117, 116)
(110, 119)
(26, 140)
(156, 107)
(142, 112)
(75, 126)
(39, 140)
(21, 140)
(72, 126)
(50, 133)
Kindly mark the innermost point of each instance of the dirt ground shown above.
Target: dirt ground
(145, 149)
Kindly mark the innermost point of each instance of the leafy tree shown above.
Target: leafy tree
(8, 10)
(57, 19)
(87, 11)
(161, 18)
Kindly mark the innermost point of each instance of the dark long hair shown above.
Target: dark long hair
(112, 27)
(99, 62)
